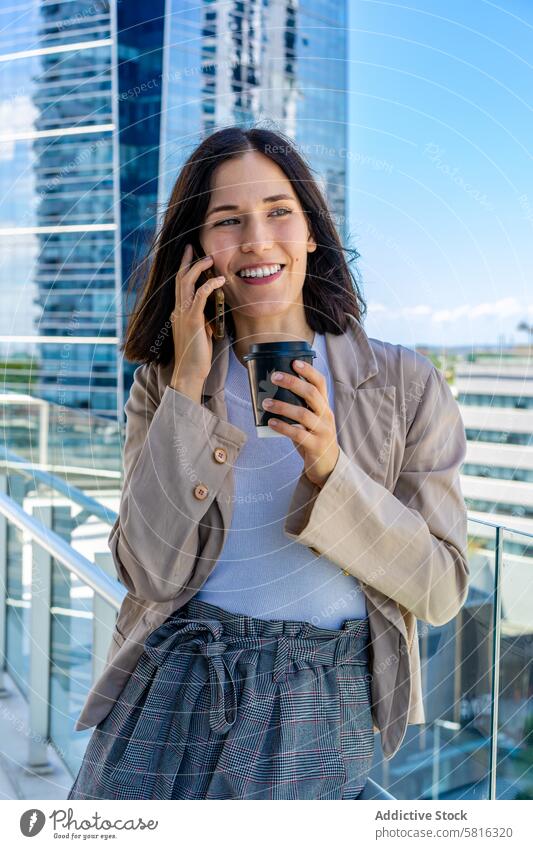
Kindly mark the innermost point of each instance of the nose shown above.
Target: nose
(256, 235)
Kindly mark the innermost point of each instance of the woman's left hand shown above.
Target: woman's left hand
(316, 442)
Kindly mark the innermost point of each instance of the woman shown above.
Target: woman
(273, 585)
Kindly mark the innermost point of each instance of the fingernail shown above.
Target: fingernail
(277, 375)
(299, 364)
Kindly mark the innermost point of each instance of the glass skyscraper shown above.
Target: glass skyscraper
(102, 101)
(58, 219)
(273, 61)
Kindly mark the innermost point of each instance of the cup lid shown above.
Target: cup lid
(289, 349)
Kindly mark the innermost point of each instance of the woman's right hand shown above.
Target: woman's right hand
(192, 333)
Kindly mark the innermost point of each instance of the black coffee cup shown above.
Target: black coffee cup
(262, 360)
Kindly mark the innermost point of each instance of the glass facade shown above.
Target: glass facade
(58, 230)
(275, 62)
(102, 101)
(139, 74)
(498, 413)
(501, 472)
(503, 436)
(480, 506)
(516, 402)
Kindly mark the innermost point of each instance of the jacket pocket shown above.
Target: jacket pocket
(117, 640)
(410, 625)
(118, 636)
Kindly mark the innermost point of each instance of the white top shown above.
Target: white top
(260, 571)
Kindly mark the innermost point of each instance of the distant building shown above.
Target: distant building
(495, 395)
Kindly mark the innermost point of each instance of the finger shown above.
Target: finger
(311, 374)
(184, 292)
(204, 291)
(186, 258)
(303, 388)
(298, 434)
(188, 274)
(292, 411)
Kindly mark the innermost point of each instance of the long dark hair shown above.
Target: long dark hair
(329, 292)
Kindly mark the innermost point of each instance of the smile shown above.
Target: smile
(258, 281)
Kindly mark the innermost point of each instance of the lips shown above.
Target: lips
(258, 281)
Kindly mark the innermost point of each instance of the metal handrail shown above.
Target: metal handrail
(503, 527)
(495, 663)
(108, 588)
(373, 790)
(90, 505)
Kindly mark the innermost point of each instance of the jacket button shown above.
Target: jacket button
(345, 572)
(201, 491)
(220, 455)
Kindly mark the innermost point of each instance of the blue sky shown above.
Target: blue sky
(440, 169)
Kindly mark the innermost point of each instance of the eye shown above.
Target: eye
(219, 223)
(277, 209)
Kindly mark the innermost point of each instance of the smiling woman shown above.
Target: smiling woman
(269, 627)
(248, 198)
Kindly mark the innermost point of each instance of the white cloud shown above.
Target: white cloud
(503, 308)
(419, 309)
(438, 316)
(17, 115)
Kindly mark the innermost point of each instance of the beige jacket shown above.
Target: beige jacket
(391, 512)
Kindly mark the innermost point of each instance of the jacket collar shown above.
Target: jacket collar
(350, 355)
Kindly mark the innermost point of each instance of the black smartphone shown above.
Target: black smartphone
(215, 304)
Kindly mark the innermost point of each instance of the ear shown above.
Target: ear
(311, 244)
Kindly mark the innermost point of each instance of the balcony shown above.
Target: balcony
(60, 484)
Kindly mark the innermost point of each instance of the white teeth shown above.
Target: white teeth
(264, 271)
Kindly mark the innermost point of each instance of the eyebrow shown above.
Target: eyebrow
(232, 206)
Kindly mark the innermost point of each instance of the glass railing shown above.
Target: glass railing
(82, 448)
(477, 674)
(63, 467)
(477, 678)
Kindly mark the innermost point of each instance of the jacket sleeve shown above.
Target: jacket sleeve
(168, 450)
(410, 544)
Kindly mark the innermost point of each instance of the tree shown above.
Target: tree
(527, 328)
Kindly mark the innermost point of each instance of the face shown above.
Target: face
(255, 229)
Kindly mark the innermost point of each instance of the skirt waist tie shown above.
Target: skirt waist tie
(190, 636)
(178, 636)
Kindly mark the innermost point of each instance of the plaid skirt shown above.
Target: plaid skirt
(228, 706)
